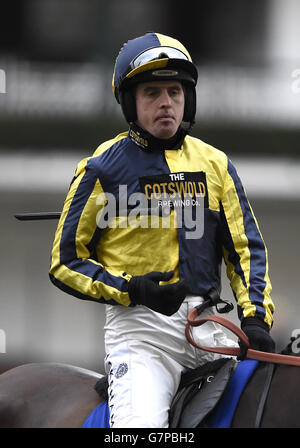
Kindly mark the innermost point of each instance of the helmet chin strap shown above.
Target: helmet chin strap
(148, 142)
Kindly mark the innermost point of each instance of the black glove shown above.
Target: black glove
(165, 299)
(258, 334)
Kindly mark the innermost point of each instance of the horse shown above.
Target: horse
(54, 395)
(47, 395)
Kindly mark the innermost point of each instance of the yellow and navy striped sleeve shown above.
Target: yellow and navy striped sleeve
(244, 251)
(74, 266)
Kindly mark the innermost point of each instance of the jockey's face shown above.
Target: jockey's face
(160, 107)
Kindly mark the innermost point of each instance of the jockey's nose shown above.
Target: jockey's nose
(165, 98)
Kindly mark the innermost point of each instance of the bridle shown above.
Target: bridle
(234, 351)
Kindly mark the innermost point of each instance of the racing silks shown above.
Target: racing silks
(94, 261)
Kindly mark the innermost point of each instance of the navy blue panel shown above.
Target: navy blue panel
(131, 49)
(124, 163)
(200, 259)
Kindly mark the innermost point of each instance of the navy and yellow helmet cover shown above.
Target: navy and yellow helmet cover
(153, 56)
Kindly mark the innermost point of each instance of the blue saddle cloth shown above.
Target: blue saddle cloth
(99, 417)
(222, 414)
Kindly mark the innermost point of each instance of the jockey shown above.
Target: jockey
(153, 263)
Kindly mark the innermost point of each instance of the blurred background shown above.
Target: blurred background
(56, 107)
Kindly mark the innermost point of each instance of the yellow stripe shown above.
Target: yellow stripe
(56, 245)
(89, 287)
(267, 303)
(87, 223)
(106, 145)
(160, 63)
(167, 41)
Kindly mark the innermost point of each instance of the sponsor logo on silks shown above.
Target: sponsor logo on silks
(138, 139)
(189, 185)
(173, 200)
(121, 370)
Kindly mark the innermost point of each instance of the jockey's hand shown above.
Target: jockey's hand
(258, 334)
(165, 299)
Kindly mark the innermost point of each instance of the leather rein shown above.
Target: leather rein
(234, 351)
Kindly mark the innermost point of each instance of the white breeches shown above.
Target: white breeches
(146, 354)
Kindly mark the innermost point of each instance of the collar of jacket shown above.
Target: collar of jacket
(150, 143)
